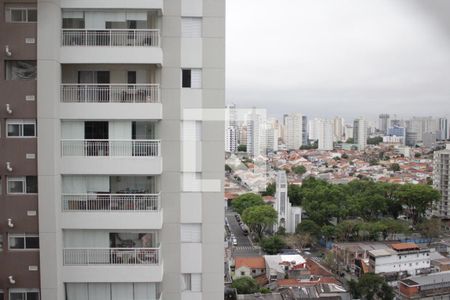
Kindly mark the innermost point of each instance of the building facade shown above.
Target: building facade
(360, 133)
(325, 135)
(441, 175)
(19, 230)
(130, 161)
(288, 216)
(296, 131)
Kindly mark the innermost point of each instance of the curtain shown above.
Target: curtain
(122, 291)
(95, 20)
(73, 15)
(86, 238)
(72, 130)
(99, 291)
(196, 78)
(98, 183)
(144, 291)
(74, 184)
(191, 27)
(77, 291)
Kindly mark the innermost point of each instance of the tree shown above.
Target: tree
(272, 245)
(308, 226)
(295, 194)
(228, 168)
(300, 170)
(394, 167)
(430, 228)
(270, 190)
(259, 218)
(417, 155)
(245, 285)
(350, 141)
(298, 241)
(418, 198)
(328, 232)
(245, 201)
(375, 140)
(344, 156)
(371, 286)
(242, 148)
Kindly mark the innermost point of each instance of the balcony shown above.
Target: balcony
(110, 93)
(111, 256)
(124, 157)
(111, 202)
(110, 265)
(111, 37)
(111, 148)
(111, 46)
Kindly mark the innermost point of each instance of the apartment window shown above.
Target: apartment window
(23, 242)
(22, 185)
(1, 295)
(191, 282)
(21, 128)
(20, 70)
(1, 247)
(21, 14)
(23, 294)
(191, 233)
(191, 27)
(191, 78)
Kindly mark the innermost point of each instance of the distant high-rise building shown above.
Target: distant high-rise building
(441, 182)
(383, 123)
(272, 134)
(314, 127)
(399, 132)
(231, 131)
(420, 125)
(429, 139)
(256, 133)
(338, 129)
(325, 135)
(443, 129)
(360, 133)
(411, 138)
(348, 132)
(242, 135)
(295, 130)
(288, 216)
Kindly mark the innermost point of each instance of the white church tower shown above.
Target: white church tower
(287, 215)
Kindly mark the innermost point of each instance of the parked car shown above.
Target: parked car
(235, 242)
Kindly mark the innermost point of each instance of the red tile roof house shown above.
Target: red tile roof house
(249, 266)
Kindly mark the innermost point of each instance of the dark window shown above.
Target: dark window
(96, 130)
(32, 15)
(32, 186)
(186, 78)
(32, 242)
(131, 77)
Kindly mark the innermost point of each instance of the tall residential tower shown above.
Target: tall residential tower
(111, 133)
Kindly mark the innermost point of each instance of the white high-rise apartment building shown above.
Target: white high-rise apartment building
(441, 176)
(360, 133)
(325, 135)
(272, 134)
(338, 129)
(295, 131)
(231, 131)
(443, 129)
(256, 133)
(288, 216)
(129, 165)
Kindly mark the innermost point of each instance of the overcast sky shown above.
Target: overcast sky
(339, 57)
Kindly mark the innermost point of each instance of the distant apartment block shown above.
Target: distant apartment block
(441, 175)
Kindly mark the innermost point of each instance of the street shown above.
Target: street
(244, 246)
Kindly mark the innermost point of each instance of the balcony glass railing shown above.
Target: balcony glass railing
(110, 93)
(111, 256)
(111, 37)
(116, 148)
(110, 202)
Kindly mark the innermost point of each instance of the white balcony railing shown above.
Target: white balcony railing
(110, 93)
(111, 256)
(118, 148)
(111, 202)
(111, 37)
